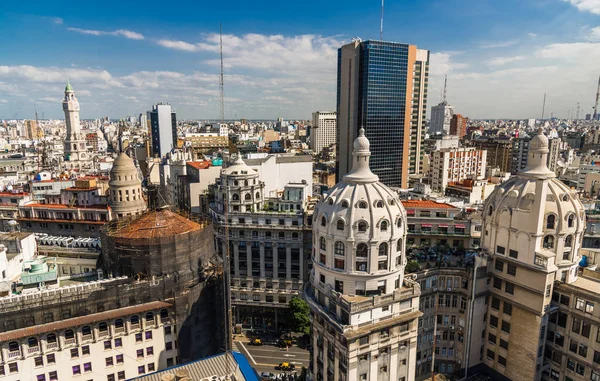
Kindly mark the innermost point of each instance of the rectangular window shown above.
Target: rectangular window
(107, 345)
(53, 376)
(138, 337)
(499, 266)
(511, 269)
(490, 354)
(109, 361)
(151, 367)
(513, 254)
(74, 353)
(507, 308)
(118, 343)
(495, 303)
(87, 367)
(589, 307)
(148, 335)
(580, 304)
(509, 288)
(51, 359)
(492, 339)
(13, 367)
(76, 370)
(119, 359)
(505, 326)
(141, 369)
(140, 353)
(497, 283)
(502, 361)
(493, 321)
(149, 351)
(500, 250)
(503, 344)
(38, 361)
(121, 375)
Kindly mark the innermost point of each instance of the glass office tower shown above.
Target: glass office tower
(383, 87)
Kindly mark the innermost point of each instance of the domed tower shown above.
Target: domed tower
(364, 311)
(532, 229)
(125, 188)
(241, 187)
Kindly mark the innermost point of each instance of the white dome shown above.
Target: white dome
(359, 231)
(535, 215)
(239, 168)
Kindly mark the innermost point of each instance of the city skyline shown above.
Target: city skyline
(500, 58)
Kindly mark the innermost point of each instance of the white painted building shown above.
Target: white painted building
(276, 171)
(454, 165)
(111, 345)
(323, 130)
(365, 312)
(441, 116)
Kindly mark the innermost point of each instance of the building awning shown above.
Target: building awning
(425, 225)
(459, 226)
(442, 225)
(410, 212)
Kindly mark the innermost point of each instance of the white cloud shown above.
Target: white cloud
(178, 45)
(594, 34)
(442, 64)
(499, 61)
(3, 101)
(592, 6)
(58, 20)
(531, 34)
(120, 32)
(499, 44)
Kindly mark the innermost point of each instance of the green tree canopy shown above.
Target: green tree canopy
(412, 267)
(300, 315)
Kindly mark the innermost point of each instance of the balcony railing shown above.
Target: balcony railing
(70, 341)
(103, 333)
(14, 354)
(33, 349)
(52, 345)
(86, 337)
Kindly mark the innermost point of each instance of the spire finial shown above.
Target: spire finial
(361, 132)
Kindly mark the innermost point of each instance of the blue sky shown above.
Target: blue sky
(280, 57)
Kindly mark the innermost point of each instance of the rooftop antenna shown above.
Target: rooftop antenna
(596, 104)
(544, 106)
(445, 84)
(221, 79)
(381, 26)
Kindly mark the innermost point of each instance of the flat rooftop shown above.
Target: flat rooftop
(588, 284)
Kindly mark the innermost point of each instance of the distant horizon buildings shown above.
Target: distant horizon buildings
(382, 86)
(163, 124)
(323, 130)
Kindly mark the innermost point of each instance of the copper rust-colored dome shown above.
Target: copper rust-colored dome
(158, 223)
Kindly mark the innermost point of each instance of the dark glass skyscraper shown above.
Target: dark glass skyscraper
(382, 86)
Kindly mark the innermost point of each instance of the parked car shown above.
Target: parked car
(266, 376)
(257, 342)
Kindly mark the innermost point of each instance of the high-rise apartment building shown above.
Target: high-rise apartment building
(520, 153)
(499, 152)
(454, 165)
(163, 123)
(458, 125)
(441, 117)
(323, 130)
(382, 86)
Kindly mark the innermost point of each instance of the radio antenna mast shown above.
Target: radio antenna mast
(381, 26)
(221, 78)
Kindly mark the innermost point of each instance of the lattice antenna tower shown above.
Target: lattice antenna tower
(221, 88)
(381, 25)
(596, 104)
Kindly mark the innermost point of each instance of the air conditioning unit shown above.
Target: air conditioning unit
(452, 327)
(449, 289)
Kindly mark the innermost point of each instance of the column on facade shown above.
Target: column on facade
(315, 352)
(336, 365)
(262, 259)
(288, 261)
(393, 367)
(236, 258)
(248, 258)
(374, 365)
(300, 262)
(325, 355)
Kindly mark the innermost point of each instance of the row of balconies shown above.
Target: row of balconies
(85, 334)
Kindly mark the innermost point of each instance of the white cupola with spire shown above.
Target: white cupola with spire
(75, 148)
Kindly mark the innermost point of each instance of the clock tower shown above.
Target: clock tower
(75, 155)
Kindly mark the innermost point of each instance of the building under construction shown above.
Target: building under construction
(161, 244)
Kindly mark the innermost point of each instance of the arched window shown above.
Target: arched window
(399, 222)
(51, 338)
(149, 316)
(164, 313)
(379, 204)
(383, 249)
(322, 243)
(549, 242)
(344, 204)
(384, 226)
(257, 195)
(362, 205)
(69, 334)
(13, 346)
(103, 327)
(550, 221)
(323, 221)
(119, 323)
(399, 245)
(569, 241)
(86, 330)
(340, 248)
(235, 182)
(32, 342)
(248, 197)
(134, 320)
(340, 225)
(571, 220)
(362, 250)
(330, 201)
(490, 210)
(362, 226)
(235, 197)
(245, 182)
